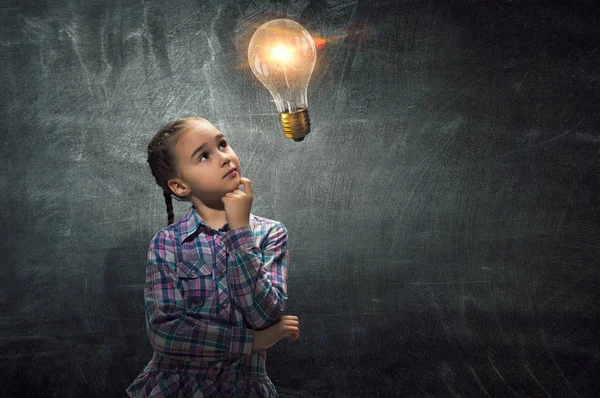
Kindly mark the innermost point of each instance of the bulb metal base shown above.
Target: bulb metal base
(295, 125)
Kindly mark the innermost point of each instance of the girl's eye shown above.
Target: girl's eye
(206, 153)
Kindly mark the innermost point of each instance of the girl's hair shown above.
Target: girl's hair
(161, 158)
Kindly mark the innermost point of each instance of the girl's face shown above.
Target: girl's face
(202, 170)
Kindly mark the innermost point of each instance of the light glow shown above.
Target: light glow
(282, 53)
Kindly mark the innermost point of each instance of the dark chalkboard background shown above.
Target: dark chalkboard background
(443, 220)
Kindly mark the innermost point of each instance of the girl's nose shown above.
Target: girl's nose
(225, 157)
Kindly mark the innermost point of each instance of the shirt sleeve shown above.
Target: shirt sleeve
(258, 276)
(171, 331)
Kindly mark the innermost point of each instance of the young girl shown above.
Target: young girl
(216, 281)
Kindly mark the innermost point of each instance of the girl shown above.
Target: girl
(216, 281)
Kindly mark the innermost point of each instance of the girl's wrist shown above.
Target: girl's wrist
(257, 342)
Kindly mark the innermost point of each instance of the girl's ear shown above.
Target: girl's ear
(178, 187)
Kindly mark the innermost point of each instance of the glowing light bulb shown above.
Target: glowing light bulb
(282, 55)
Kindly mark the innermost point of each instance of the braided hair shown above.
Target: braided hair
(161, 159)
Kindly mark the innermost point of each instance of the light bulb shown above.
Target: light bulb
(282, 55)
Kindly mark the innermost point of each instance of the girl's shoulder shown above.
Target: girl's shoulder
(264, 223)
(263, 220)
(167, 235)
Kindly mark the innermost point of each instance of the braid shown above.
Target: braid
(169, 203)
(161, 160)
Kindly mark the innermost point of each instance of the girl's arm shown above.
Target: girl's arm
(258, 277)
(170, 331)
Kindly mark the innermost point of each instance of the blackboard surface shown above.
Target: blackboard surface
(443, 218)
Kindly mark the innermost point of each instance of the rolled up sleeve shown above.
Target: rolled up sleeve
(258, 275)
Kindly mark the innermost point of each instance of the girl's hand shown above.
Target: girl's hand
(288, 325)
(238, 204)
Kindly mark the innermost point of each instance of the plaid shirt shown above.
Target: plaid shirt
(206, 292)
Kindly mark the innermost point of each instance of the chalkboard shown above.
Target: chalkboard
(442, 215)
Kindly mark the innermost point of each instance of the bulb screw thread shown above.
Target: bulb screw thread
(296, 125)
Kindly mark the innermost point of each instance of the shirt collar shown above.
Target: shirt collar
(191, 221)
